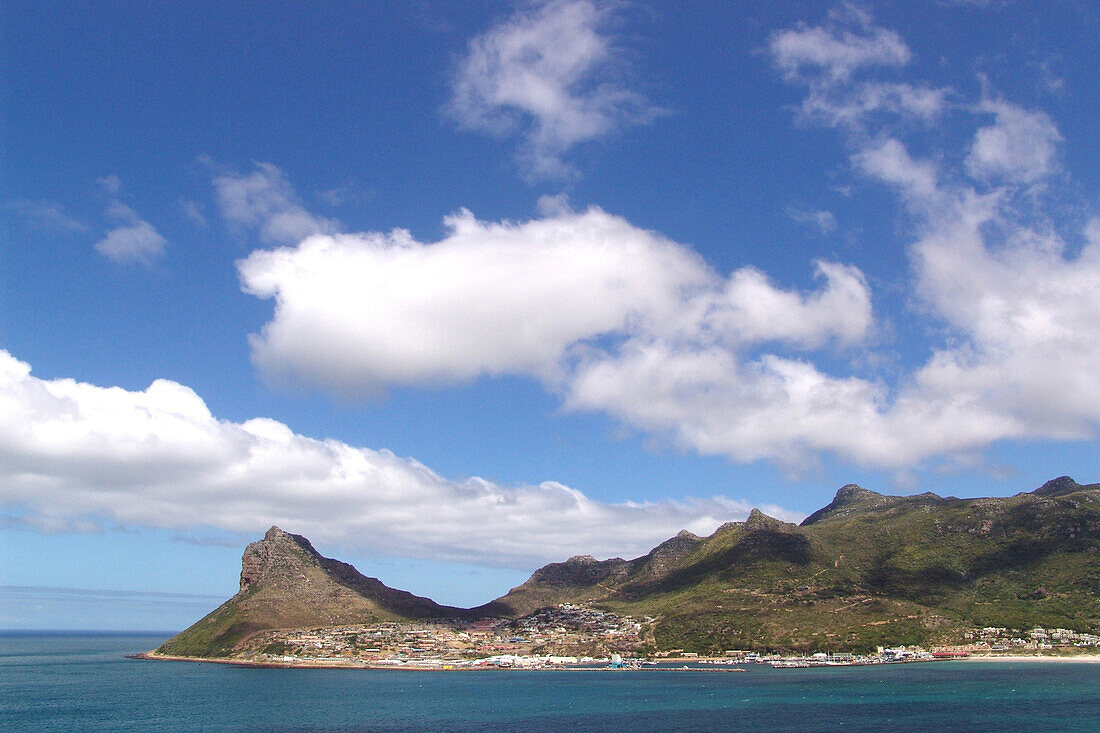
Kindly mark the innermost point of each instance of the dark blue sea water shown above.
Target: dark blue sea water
(84, 683)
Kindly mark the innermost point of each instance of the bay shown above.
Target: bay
(83, 682)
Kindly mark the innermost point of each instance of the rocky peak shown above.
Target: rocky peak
(675, 547)
(1060, 485)
(848, 498)
(579, 570)
(759, 520)
(664, 557)
(851, 493)
(277, 553)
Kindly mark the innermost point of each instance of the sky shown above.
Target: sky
(459, 289)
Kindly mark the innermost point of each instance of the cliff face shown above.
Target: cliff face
(278, 557)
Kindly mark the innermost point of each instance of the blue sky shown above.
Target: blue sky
(456, 290)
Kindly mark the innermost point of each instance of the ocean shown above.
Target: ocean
(83, 682)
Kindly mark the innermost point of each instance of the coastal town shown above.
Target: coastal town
(563, 635)
(579, 636)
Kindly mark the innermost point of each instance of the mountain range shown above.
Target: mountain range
(866, 570)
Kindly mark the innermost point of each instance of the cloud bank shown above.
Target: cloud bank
(75, 456)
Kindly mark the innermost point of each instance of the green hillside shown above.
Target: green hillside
(866, 570)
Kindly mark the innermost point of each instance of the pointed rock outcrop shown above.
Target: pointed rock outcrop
(850, 499)
(1057, 486)
(286, 583)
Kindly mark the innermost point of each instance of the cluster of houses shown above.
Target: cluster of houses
(1000, 639)
(578, 634)
(565, 634)
(577, 625)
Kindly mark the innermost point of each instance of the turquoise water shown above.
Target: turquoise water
(83, 683)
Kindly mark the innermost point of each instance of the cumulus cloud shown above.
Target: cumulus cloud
(75, 455)
(1026, 315)
(134, 240)
(265, 200)
(889, 161)
(623, 321)
(776, 408)
(360, 312)
(546, 75)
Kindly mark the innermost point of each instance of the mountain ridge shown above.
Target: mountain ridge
(865, 569)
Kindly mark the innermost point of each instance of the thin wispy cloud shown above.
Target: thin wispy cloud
(192, 211)
(264, 200)
(549, 77)
(821, 219)
(48, 216)
(132, 240)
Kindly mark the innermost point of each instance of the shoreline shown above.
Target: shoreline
(726, 667)
(309, 664)
(1075, 658)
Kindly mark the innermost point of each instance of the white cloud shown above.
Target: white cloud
(848, 43)
(110, 183)
(134, 240)
(890, 162)
(1023, 318)
(265, 200)
(544, 74)
(137, 242)
(623, 321)
(75, 455)
(777, 408)
(842, 105)
(360, 312)
(1019, 147)
(751, 310)
(1027, 316)
(826, 59)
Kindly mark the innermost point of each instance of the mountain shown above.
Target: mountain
(285, 583)
(867, 569)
